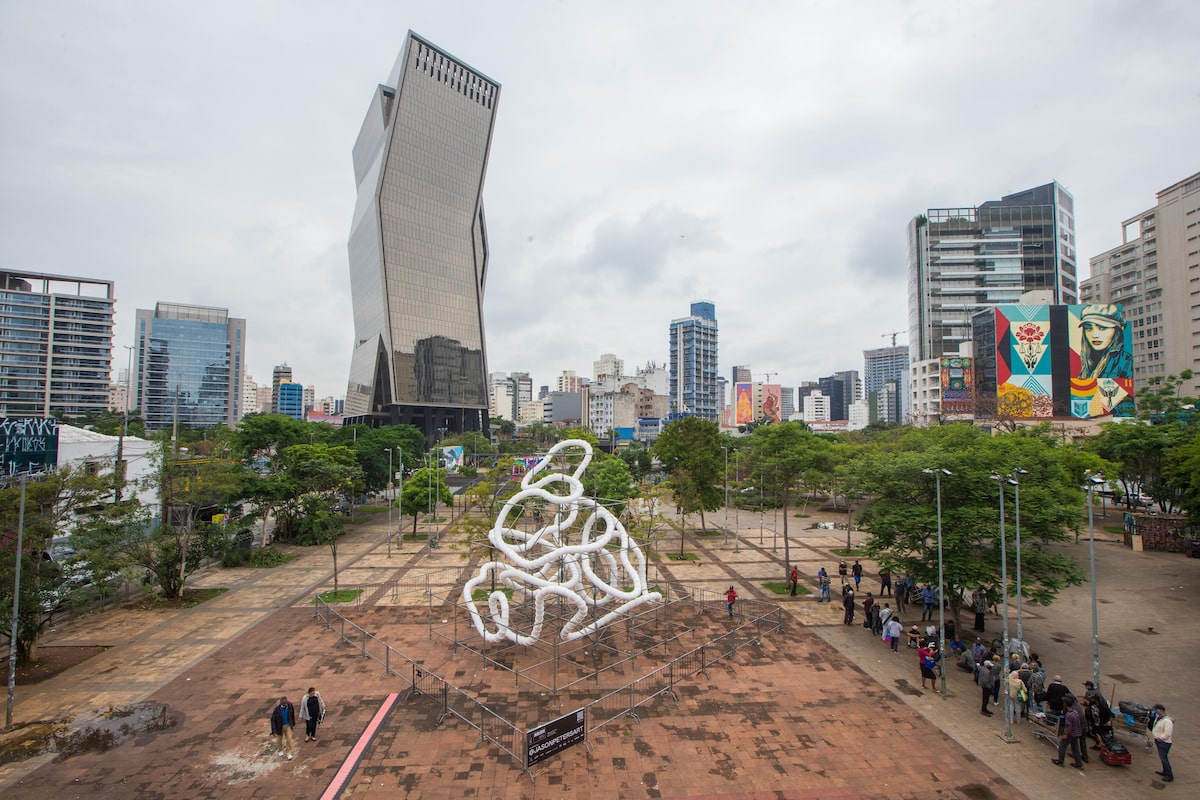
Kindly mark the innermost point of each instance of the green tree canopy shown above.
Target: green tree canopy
(690, 452)
(902, 520)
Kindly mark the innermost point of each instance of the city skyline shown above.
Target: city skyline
(773, 178)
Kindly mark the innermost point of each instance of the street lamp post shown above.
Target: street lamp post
(1007, 736)
(1092, 482)
(761, 500)
(399, 497)
(16, 611)
(726, 539)
(389, 486)
(737, 511)
(937, 477)
(1016, 482)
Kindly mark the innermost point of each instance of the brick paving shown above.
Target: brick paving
(817, 710)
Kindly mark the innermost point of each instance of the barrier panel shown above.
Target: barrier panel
(756, 618)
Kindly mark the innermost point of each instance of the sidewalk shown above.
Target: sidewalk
(798, 716)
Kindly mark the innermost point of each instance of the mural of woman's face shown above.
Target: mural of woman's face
(1099, 336)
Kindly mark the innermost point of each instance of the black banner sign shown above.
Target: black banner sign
(554, 737)
(30, 444)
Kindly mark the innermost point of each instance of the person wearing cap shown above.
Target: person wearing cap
(1163, 732)
(1098, 716)
(1102, 351)
(1072, 735)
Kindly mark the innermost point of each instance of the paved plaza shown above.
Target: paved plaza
(815, 710)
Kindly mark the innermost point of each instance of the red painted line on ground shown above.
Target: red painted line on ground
(351, 763)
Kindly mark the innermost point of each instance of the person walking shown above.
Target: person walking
(843, 572)
(1016, 688)
(901, 595)
(1072, 736)
(925, 657)
(795, 578)
(856, 571)
(986, 682)
(885, 582)
(869, 612)
(1163, 732)
(892, 631)
(848, 606)
(730, 599)
(823, 582)
(283, 720)
(312, 711)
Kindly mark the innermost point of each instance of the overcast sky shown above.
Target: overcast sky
(764, 156)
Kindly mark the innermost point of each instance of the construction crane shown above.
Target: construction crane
(892, 334)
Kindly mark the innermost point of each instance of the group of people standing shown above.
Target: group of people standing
(283, 721)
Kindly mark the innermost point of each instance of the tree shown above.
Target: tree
(53, 503)
(261, 435)
(1182, 471)
(902, 519)
(637, 460)
(424, 489)
(690, 452)
(504, 427)
(782, 454)
(1139, 453)
(608, 480)
(370, 446)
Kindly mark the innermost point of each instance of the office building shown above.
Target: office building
(608, 368)
(841, 388)
(881, 366)
(189, 364)
(55, 344)
(741, 375)
(280, 375)
(961, 260)
(1155, 275)
(693, 344)
(418, 246)
(290, 400)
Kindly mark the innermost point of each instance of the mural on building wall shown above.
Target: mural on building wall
(1042, 350)
(744, 392)
(1023, 377)
(772, 402)
(1101, 361)
(958, 396)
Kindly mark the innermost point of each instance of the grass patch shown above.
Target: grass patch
(801, 516)
(853, 552)
(415, 537)
(708, 533)
(340, 596)
(263, 558)
(682, 556)
(153, 601)
(480, 595)
(1119, 530)
(783, 587)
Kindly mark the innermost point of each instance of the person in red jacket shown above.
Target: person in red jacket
(730, 599)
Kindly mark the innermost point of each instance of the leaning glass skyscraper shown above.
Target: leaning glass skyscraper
(418, 246)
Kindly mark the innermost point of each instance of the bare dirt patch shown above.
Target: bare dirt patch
(53, 659)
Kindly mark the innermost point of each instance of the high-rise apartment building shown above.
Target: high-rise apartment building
(608, 368)
(280, 375)
(189, 362)
(1154, 274)
(418, 246)
(961, 260)
(741, 375)
(291, 400)
(842, 388)
(693, 342)
(881, 366)
(55, 344)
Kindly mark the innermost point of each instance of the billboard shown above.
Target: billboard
(554, 737)
(452, 457)
(30, 444)
(743, 403)
(1063, 360)
(957, 381)
(771, 402)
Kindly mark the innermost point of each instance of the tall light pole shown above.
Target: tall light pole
(1007, 736)
(1016, 482)
(399, 495)
(16, 611)
(937, 477)
(389, 486)
(737, 511)
(1092, 482)
(726, 540)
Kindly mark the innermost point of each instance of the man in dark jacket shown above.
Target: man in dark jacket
(987, 682)
(848, 605)
(283, 720)
(1055, 693)
(1071, 736)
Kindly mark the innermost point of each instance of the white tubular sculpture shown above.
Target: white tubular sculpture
(541, 565)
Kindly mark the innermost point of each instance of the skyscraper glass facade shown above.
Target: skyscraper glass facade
(418, 246)
(189, 366)
(694, 363)
(962, 260)
(55, 344)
